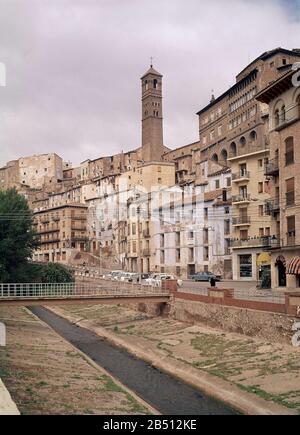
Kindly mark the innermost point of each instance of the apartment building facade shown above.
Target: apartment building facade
(61, 230)
(234, 133)
(283, 98)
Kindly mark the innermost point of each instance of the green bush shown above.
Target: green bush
(55, 273)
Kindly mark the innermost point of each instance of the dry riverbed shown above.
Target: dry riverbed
(270, 371)
(46, 375)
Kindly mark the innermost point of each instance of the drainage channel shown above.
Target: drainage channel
(165, 393)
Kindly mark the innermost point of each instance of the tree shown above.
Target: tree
(55, 273)
(17, 237)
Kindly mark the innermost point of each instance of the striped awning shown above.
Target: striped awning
(294, 266)
(280, 259)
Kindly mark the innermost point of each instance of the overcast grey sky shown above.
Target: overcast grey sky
(74, 67)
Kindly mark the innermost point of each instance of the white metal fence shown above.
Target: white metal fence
(77, 290)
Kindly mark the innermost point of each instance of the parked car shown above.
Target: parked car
(116, 275)
(204, 276)
(156, 279)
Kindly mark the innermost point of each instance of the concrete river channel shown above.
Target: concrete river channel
(165, 393)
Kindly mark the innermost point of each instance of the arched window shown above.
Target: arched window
(224, 156)
(243, 141)
(155, 84)
(233, 149)
(277, 118)
(146, 85)
(282, 115)
(215, 158)
(253, 136)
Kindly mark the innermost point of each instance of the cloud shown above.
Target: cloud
(74, 67)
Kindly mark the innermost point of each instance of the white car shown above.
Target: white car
(156, 279)
(116, 275)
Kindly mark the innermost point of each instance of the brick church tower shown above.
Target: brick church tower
(152, 120)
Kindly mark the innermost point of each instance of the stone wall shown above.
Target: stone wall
(274, 327)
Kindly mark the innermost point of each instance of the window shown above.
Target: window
(233, 149)
(244, 234)
(289, 151)
(260, 210)
(277, 118)
(245, 266)
(224, 156)
(217, 183)
(261, 232)
(226, 227)
(260, 163)
(291, 230)
(228, 181)
(243, 141)
(290, 192)
(260, 187)
(282, 115)
(267, 231)
(253, 136)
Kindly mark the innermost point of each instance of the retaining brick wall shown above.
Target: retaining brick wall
(230, 302)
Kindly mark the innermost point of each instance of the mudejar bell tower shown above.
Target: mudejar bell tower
(152, 119)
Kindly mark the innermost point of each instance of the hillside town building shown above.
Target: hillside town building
(224, 203)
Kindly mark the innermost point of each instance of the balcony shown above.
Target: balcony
(45, 220)
(56, 218)
(78, 228)
(80, 239)
(269, 242)
(250, 148)
(272, 206)
(272, 167)
(146, 252)
(241, 221)
(241, 199)
(48, 231)
(243, 175)
(131, 255)
(78, 218)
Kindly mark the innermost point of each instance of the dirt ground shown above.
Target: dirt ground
(271, 371)
(45, 375)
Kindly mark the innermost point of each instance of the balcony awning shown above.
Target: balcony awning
(264, 259)
(280, 259)
(294, 266)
